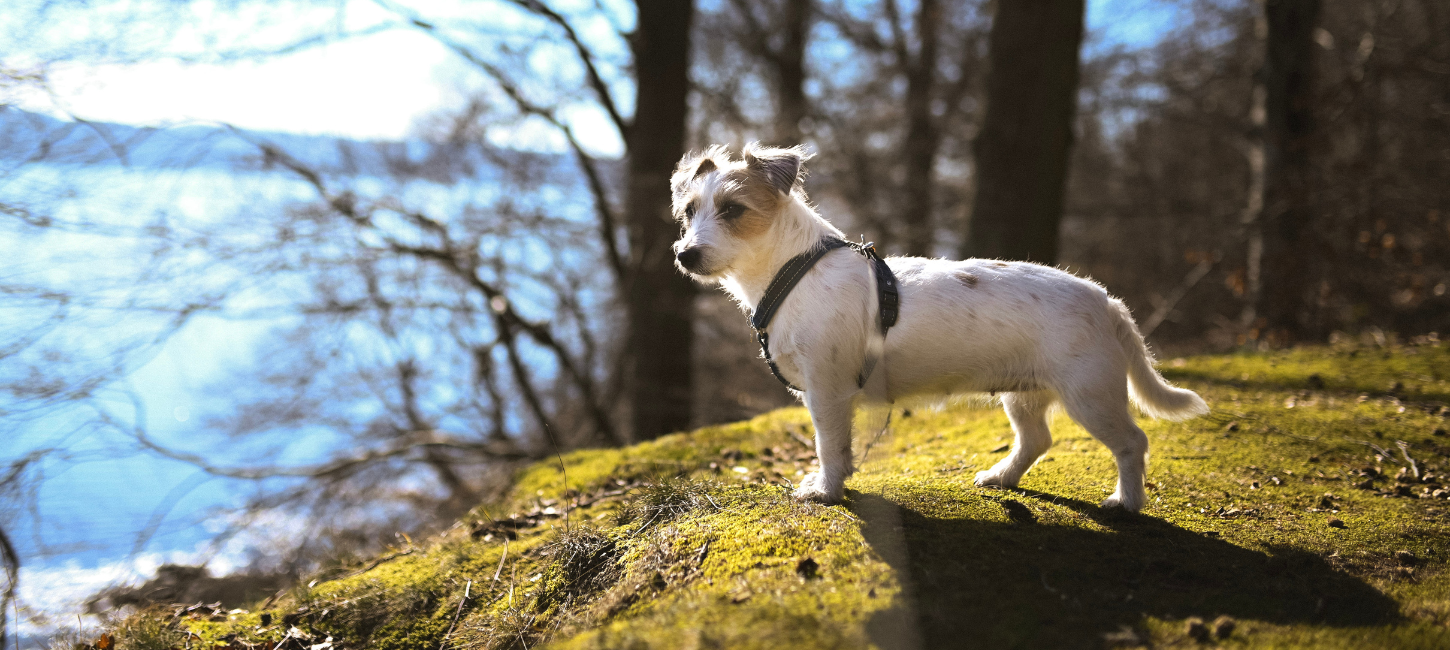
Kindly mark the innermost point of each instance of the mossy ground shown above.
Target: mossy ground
(1294, 509)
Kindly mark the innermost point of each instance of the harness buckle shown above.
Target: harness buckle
(869, 250)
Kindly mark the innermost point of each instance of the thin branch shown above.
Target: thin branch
(587, 58)
(508, 319)
(608, 223)
(11, 561)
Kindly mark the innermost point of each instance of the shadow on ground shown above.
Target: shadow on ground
(1023, 584)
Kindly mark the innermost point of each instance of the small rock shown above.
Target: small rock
(1195, 628)
(1441, 494)
(1336, 522)
(1406, 558)
(1313, 459)
(1125, 636)
(1232, 426)
(1254, 485)
(1327, 501)
(1223, 626)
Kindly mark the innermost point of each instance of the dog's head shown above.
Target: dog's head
(725, 205)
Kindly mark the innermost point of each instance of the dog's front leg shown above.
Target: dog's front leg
(831, 413)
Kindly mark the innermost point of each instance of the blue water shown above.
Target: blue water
(104, 508)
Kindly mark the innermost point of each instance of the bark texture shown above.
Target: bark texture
(660, 299)
(921, 131)
(1290, 249)
(1026, 135)
(790, 72)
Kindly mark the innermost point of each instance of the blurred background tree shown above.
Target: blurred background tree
(405, 321)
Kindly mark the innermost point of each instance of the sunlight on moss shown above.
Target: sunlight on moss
(1307, 510)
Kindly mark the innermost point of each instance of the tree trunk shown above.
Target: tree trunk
(660, 300)
(921, 134)
(790, 72)
(1290, 262)
(1022, 148)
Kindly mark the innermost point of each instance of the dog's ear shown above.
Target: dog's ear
(782, 168)
(693, 165)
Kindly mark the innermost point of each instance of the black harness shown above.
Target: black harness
(786, 278)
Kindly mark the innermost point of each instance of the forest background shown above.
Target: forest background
(267, 332)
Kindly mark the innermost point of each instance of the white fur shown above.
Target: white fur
(1036, 335)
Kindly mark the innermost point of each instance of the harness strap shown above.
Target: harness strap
(786, 278)
(887, 296)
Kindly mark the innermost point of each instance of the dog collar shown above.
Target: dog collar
(887, 296)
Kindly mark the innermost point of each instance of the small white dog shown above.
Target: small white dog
(1037, 335)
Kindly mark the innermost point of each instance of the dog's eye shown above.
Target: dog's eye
(690, 211)
(731, 211)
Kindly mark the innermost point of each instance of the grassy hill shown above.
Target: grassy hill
(1306, 511)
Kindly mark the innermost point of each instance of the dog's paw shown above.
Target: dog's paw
(813, 488)
(1117, 501)
(993, 478)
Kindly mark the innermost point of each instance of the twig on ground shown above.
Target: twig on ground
(466, 590)
(1405, 449)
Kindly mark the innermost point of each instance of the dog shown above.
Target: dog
(1035, 335)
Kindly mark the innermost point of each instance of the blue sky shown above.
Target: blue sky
(375, 86)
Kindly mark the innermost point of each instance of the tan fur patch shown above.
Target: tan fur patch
(753, 192)
(967, 279)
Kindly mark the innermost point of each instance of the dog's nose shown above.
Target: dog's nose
(690, 258)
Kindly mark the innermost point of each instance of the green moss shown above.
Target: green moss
(1292, 511)
(1420, 372)
(150, 629)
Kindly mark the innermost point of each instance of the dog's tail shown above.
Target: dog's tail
(1153, 394)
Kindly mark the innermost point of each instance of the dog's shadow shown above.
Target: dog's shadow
(1020, 583)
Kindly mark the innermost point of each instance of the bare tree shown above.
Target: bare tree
(1022, 150)
(902, 107)
(660, 299)
(1291, 251)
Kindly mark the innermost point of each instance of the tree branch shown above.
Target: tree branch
(587, 58)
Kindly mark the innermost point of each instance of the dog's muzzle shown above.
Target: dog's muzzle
(691, 259)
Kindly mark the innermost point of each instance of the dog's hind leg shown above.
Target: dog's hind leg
(831, 415)
(1103, 411)
(1028, 413)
